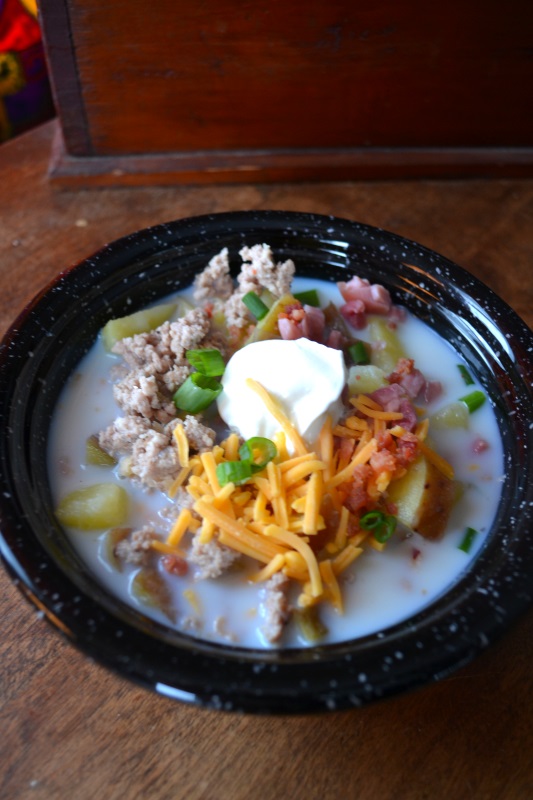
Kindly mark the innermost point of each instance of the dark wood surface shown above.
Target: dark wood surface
(70, 729)
(290, 90)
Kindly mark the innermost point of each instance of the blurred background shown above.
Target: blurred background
(25, 96)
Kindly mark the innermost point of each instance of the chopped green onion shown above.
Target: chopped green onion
(468, 539)
(258, 451)
(359, 353)
(465, 374)
(384, 533)
(371, 520)
(208, 362)
(382, 525)
(473, 400)
(197, 393)
(309, 298)
(233, 472)
(255, 305)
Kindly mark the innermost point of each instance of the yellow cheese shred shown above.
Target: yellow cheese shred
(297, 543)
(180, 527)
(286, 425)
(180, 437)
(438, 461)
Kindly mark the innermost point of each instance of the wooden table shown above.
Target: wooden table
(70, 729)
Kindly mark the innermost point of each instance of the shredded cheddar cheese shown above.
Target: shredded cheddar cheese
(180, 437)
(279, 516)
(286, 425)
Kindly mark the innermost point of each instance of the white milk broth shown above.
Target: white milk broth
(379, 589)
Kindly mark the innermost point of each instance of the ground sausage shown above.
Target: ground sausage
(135, 549)
(211, 558)
(215, 281)
(276, 607)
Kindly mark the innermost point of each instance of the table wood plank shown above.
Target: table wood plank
(72, 729)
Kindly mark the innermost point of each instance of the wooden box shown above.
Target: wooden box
(205, 91)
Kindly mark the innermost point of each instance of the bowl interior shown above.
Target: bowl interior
(53, 333)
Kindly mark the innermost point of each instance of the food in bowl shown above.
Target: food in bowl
(295, 462)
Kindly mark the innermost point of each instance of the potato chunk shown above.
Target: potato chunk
(109, 543)
(96, 507)
(424, 498)
(150, 589)
(391, 350)
(365, 379)
(267, 328)
(139, 322)
(95, 455)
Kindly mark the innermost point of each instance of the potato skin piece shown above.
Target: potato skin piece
(424, 498)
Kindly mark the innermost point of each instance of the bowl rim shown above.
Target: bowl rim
(425, 648)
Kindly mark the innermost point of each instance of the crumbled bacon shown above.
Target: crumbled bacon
(174, 565)
(406, 449)
(383, 461)
(345, 449)
(480, 446)
(414, 382)
(358, 496)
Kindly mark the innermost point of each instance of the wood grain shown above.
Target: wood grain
(299, 90)
(70, 729)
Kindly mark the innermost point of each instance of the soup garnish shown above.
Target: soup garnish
(270, 442)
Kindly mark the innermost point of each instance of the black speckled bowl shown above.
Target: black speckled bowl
(51, 335)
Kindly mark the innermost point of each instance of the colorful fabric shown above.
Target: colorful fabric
(25, 97)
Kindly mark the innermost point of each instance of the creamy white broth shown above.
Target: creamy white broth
(379, 589)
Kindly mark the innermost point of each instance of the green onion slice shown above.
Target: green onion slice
(468, 540)
(309, 298)
(473, 400)
(382, 525)
(372, 520)
(255, 305)
(233, 472)
(197, 393)
(465, 374)
(359, 353)
(258, 451)
(208, 362)
(384, 533)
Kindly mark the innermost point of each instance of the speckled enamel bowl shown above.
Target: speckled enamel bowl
(58, 327)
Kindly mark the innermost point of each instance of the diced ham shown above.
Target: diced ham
(336, 340)
(396, 314)
(388, 396)
(393, 398)
(289, 330)
(432, 390)
(354, 312)
(409, 420)
(413, 381)
(376, 298)
(313, 323)
(297, 322)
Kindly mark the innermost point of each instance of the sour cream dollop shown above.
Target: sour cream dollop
(305, 378)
